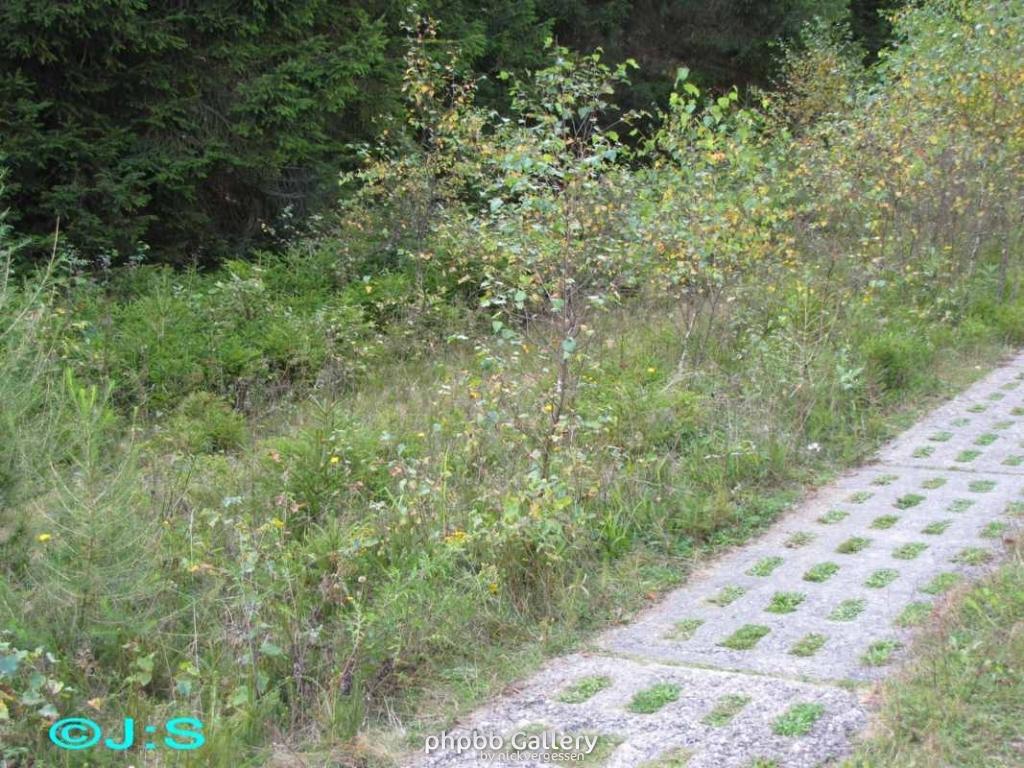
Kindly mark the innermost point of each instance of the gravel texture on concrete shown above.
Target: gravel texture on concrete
(762, 656)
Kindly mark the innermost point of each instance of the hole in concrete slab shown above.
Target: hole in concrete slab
(853, 545)
(798, 539)
(977, 408)
(726, 708)
(833, 516)
(940, 437)
(1013, 461)
(727, 595)
(821, 572)
(808, 645)
(746, 637)
(986, 439)
(909, 551)
(765, 567)
(960, 505)
(933, 482)
(885, 521)
(994, 530)
(885, 479)
(908, 500)
(650, 700)
(880, 652)
(883, 577)
(937, 528)
(848, 610)
(798, 719)
(981, 486)
(967, 456)
(973, 556)
(923, 452)
(674, 758)
(784, 602)
(859, 497)
(684, 630)
(585, 688)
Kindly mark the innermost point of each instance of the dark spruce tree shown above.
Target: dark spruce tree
(188, 125)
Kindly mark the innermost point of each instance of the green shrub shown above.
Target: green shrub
(204, 423)
(896, 360)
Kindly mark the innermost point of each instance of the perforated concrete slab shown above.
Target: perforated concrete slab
(690, 722)
(980, 431)
(745, 660)
(881, 546)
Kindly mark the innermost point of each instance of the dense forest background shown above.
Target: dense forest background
(185, 130)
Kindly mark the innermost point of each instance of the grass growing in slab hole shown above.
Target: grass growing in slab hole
(933, 482)
(809, 644)
(881, 578)
(961, 422)
(765, 567)
(726, 708)
(684, 630)
(833, 516)
(986, 439)
(981, 486)
(1015, 508)
(941, 437)
(1013, 461)
(941, 583)
(968, 455)
(652, 699)
(763, 762)
(996, 396)
(880, 652)
(821, 572)
(908, 500)
(674, 758)
(798, 719)
(909, 551)
(746, 637)
(727, 595)
(885, 521)
(937, 528)
(914, 614)
(603, 748)
(798, 539)
(1004, 424)
(859, 497)
(960, 505)
(584, 689)
(853, 545)
(994, 530)
(848, 610)
(785, 602)
(1018, 411)
(977, 408)
(923, 452)
(885, 479)
(973, 556)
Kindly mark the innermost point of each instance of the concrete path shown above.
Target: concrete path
(762, 659)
